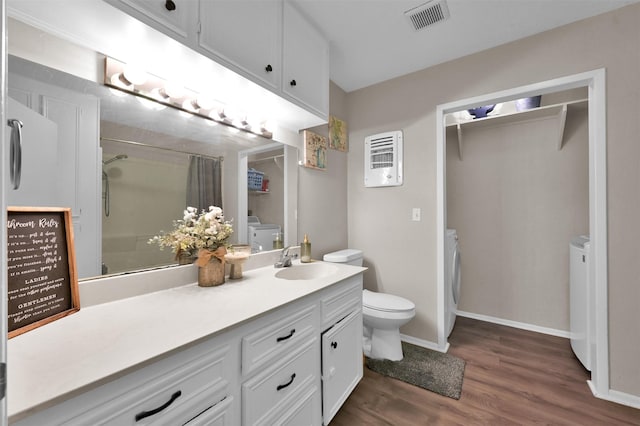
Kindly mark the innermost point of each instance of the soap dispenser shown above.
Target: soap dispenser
(305, 250)
(277, 242)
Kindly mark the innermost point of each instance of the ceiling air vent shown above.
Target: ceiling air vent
(427, 14)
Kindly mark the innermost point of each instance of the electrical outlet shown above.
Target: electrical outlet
(415, 214)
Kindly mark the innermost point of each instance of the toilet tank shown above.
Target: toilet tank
(347, 256)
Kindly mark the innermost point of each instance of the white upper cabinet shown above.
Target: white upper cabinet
(305, 63)
(245, 36)
(266, 41)
(176, 18)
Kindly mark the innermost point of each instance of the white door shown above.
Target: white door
(39, 158)
(76, 154)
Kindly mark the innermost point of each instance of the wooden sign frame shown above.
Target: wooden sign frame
(41, 267)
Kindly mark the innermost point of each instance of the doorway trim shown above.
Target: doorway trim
(595, 81)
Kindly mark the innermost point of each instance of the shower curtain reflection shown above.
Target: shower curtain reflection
(204, 182)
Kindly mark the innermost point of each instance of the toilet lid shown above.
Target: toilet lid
(385, 302)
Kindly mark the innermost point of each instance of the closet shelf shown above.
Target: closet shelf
(557, 110)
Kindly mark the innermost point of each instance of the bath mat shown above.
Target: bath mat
(435, 371)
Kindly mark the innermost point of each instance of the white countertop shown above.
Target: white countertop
(51, 363)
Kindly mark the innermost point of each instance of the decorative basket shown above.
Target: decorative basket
(254, 178)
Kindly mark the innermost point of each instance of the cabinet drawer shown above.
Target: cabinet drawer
(218, 415)
(268, 343)
(183, 392)
(305, 411)
(338, 304)
(267, 394)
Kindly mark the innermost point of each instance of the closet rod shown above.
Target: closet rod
(273, 157)
(103, 138)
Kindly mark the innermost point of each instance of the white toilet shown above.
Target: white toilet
(383, 314)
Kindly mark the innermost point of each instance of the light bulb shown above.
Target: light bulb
(159, 94)
(173, 90)
(205, 102)
(134, 75)
(119, 80)
(190, 105)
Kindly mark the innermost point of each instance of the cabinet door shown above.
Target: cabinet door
(305, 63)
(176, 18)
(245, 35)
(341, 363)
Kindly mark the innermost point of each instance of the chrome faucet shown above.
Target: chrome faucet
(285, 258)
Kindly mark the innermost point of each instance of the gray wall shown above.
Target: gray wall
(516, 202)
(322, 194)
(402, 253)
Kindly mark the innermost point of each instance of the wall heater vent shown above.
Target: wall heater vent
(383, 159)
(427, 14)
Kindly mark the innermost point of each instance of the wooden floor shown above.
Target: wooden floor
(512, 377)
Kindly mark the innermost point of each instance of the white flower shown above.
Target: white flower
(190, 214)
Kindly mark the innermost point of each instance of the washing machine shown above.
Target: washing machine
(261, 235)
(451, 279)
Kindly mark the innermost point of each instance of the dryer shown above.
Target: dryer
(452, 278)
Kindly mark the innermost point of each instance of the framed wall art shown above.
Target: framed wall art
(338, 134)
(315, 150)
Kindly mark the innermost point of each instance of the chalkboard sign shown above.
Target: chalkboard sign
(41, 264)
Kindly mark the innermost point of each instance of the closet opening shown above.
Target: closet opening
(587, 91)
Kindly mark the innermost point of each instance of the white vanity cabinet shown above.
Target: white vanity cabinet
(293, 361)
(245, 36)
(175, 390)
(176, 18)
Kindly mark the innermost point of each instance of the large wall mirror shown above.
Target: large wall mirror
(129, 168)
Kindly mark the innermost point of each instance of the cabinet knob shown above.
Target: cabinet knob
(293, 83)
(268, 68)
(170, 5)
(334, 345)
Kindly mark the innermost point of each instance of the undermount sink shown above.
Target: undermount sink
(309, 271)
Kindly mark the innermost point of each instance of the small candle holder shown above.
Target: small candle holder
(236, 256)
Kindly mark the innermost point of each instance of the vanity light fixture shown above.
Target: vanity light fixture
(118, 80)
(152, 90)
(152, 105)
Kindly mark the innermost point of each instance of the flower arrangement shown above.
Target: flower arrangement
(202, 232)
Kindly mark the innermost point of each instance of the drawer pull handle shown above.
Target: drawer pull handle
(334, 345)
(144, 414)
(170, 5)
(280, 387)
(288, 336)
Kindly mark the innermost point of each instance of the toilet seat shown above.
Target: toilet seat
(386, 302)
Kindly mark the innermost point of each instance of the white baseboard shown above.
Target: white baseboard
(616, 396)
(516, 324)
(423, 343)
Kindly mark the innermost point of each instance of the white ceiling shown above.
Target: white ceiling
(372, 40)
